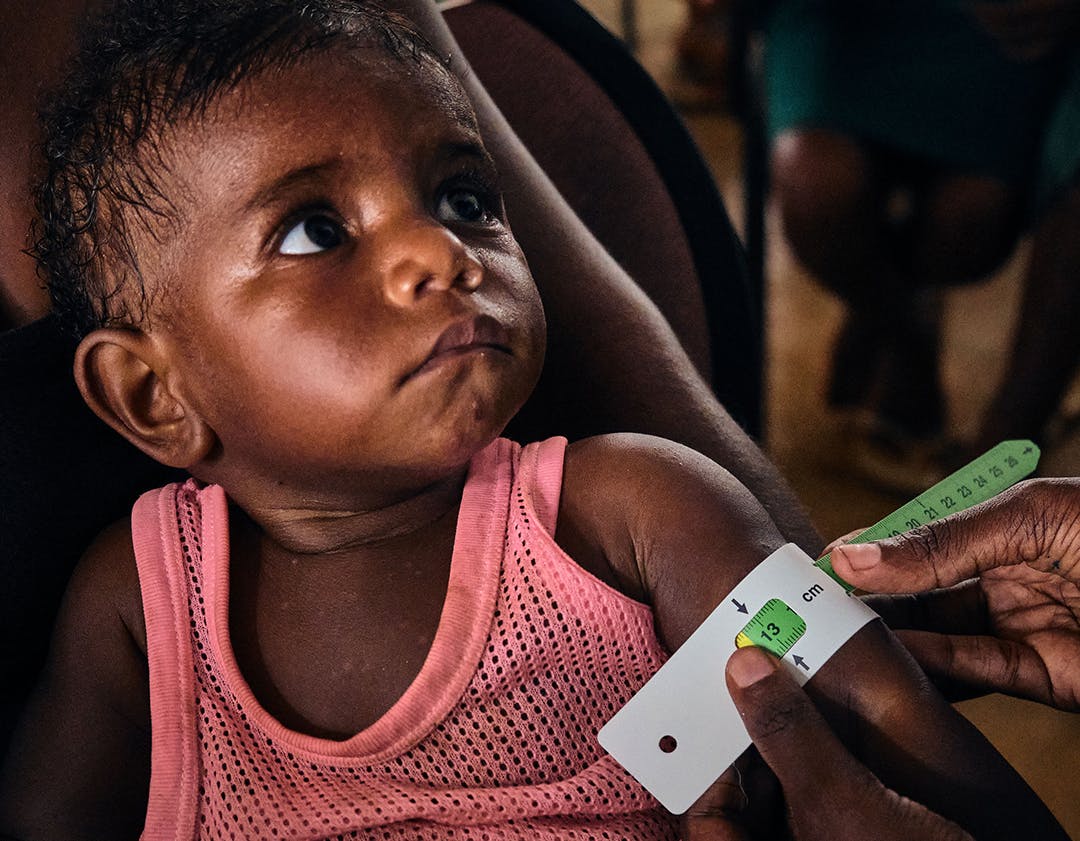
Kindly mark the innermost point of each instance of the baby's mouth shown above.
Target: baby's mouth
(481, 332)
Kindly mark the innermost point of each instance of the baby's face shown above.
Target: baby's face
(343, 295)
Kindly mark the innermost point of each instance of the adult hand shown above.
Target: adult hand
(1015, 628)
(829, 793)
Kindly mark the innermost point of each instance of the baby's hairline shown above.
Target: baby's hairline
(103, 142)
(154, 305)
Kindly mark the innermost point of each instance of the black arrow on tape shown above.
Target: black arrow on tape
(739, 606)
(799, 661)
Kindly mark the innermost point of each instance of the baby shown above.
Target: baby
(277, 232)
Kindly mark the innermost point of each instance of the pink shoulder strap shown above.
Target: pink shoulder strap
(159, 557)
(540, 474)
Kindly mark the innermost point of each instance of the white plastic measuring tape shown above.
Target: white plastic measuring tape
(682, 730)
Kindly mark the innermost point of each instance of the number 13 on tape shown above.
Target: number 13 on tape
(681, 730)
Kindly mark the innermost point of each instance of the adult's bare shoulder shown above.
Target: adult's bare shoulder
(79, 766)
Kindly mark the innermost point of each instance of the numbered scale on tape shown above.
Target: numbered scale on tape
(776, 627)
(681, 730)
(979, 480)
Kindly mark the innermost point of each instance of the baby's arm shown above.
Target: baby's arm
(79, 766)
(680, 532)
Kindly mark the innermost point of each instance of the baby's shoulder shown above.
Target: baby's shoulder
(658, 511)
(79, 762)
(637, 452)
(639, 474)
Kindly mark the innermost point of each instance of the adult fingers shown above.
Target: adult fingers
(1035, 522)
(844, 538)
(830, 794)
(744, 804)
(807, 757)
(988, 663)
(710, 827)
(960, 609)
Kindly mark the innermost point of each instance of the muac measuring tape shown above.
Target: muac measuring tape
(681, 730)
(777, 627)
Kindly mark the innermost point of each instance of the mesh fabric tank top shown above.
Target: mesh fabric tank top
(494, 739)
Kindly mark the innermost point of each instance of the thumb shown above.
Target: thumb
(830, 794)
(790, 734)
(1034, 522)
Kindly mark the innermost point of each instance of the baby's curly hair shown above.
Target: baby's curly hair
(142, 66)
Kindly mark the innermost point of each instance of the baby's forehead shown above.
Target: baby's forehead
(318, 117)
(383, 81)
(344, 100)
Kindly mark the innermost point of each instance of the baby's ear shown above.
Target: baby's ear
(122, 377)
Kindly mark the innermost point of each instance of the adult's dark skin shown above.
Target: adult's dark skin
(830, 795)
(996, 607)
(1011, 623)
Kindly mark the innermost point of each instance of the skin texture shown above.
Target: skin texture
(405, 244)
(337, 392)
(613, 362)
(792, 736)
(293, 327)
(1009, 620)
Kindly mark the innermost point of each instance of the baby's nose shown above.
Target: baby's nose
(426, 258)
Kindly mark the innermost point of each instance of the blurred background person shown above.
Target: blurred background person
(1046, 345)
(903, 138)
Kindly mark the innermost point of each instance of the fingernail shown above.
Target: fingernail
(860, 555)
(749, 665)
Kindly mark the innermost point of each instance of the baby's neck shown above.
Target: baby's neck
(331, 612)
(318, 527)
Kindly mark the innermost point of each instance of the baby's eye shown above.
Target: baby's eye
(315, 233)
(463, 204)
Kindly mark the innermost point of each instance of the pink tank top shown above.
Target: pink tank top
(495, 738)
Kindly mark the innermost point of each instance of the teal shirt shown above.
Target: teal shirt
(919, 77)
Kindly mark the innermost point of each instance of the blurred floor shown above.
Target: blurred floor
(809, 443)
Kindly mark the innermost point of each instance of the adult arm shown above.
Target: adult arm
(79, 767)
(37, 37)
(998, 592)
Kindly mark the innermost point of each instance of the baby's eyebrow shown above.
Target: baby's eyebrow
(467, 149)
(281, 187)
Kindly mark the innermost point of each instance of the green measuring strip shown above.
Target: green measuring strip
(985, 477)
(776, 627)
